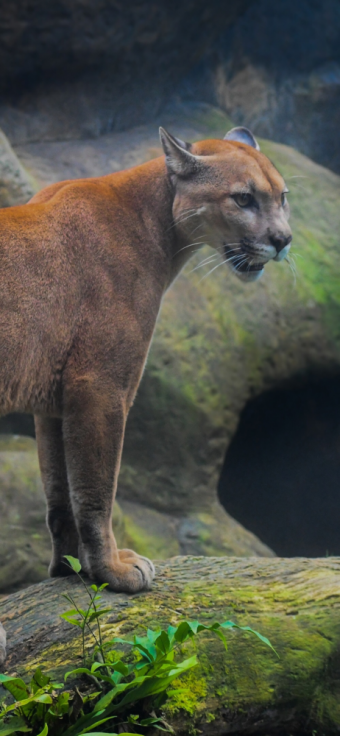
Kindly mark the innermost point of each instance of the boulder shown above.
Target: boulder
(17, 186)
(246, 689)
(277, 71)
(83, 69)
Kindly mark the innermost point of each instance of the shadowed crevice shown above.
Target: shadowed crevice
(281, 473)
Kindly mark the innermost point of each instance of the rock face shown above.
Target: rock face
(246, 689)
(16, 185)
(2, 645)
(85, 68)
(277, 71)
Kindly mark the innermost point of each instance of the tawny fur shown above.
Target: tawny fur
(83, 269)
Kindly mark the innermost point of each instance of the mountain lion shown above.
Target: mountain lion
(84, 267)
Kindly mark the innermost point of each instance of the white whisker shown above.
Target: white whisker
(213, 269)
(197, 227)
(184, 216)
(191, 245)
(292, 267)
(205, 262)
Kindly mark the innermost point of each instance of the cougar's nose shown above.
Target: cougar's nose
(280, 241)
(282, 245)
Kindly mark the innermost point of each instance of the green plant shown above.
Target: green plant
(128, 685)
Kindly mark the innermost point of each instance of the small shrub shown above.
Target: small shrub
(123, 687)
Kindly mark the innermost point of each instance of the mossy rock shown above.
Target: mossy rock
(246, 689)
(17, 186)
(160, 535)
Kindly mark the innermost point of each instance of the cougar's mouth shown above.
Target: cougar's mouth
(244, 264)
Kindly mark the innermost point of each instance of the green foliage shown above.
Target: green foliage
(128, 684)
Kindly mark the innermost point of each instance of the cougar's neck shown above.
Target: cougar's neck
(150, 196)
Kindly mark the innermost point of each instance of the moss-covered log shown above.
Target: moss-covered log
(295, 602)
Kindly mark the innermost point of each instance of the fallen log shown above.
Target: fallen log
(294, 602)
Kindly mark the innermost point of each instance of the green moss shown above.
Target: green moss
(147, 542)
(293, 603)
(190, 696)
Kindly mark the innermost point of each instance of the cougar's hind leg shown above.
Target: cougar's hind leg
(60, 520)
(93, 431)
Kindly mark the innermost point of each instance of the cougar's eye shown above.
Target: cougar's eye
(283, 198)
(244, 200)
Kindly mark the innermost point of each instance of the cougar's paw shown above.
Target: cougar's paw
(2, 645)
(128, 555)
(130, 573)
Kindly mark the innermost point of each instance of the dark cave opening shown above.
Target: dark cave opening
(281, 474)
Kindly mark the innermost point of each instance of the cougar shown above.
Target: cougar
(84, 267)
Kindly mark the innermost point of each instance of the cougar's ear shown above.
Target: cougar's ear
(242, 135)
(178, 157)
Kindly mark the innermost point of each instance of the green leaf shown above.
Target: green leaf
(73, 562)
(171, 632)
(85, 723)
(108, 697)
(121, 667)
(183, 632)
(46, 699)
(15, 724)
(44, 732)
(259, 636)
(79, 671)
(163, 642)
(40, 679)
(98, 614)
(118, 640)
(72, 621)
(15, 686)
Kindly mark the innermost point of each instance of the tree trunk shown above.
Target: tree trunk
(294, 602)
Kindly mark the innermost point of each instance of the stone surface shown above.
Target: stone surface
(246, 689)
(80, 69)
(277, 70)
(16, 185)
(160, 535)
(87, 68)
(2, 645)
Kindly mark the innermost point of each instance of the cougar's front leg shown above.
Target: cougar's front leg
(60, 520)
(93, 431)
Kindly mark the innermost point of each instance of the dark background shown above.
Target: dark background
(90, 66)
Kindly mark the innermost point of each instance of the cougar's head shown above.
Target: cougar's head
(229, 195)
